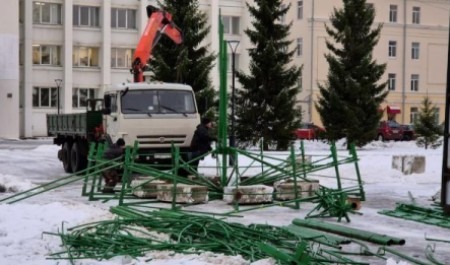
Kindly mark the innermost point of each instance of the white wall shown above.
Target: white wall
(9, 69)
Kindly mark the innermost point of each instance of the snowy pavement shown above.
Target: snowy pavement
(26, 163)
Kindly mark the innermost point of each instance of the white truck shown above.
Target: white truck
(154, 114)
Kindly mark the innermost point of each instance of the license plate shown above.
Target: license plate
(162, 156)
(395, 131)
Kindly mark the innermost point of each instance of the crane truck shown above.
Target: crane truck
(155, 114)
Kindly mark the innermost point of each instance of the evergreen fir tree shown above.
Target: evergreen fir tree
(427, 126)
(266, 102)
(189, 63)
(350, 99)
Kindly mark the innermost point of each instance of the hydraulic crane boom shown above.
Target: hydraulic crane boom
(159, 22)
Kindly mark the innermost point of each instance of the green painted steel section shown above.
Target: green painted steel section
(350, 232)
(431, 216)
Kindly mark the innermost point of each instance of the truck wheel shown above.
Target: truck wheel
(65, 157)
(77, 157)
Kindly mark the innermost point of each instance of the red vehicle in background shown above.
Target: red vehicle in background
(309, 131)
(390, 130)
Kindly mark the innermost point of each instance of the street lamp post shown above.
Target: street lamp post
(58, 85)
(233, 46)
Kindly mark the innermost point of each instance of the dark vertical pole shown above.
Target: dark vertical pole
(58, 98)
(445, 188)
(58, 86)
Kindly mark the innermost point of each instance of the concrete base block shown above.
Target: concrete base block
(184, 193)
(354, 202)
(145, 187)
(409, 164)
(286, 190)
(253, 194)
(299, 161)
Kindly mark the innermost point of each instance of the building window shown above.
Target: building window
(299, 46)
(393, 13)
(300, 83)
(47, 13)
(436, 115)
(81, 95)
(415, 48)
(283, 16)
(46, 55)
(416, 15)
(231, 25)
(300, 9)
(230, 61)
(391, 81)
(121, 57)
(85, 56)
(414, 82)
(123, 18)
(392, 49)
(413, 115)
(86, 16)
(45, 97)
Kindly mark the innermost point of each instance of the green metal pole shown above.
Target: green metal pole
(223, 102)
(294, 175)
(336, 164)
(358, 174)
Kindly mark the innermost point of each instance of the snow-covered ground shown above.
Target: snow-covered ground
(27, 163)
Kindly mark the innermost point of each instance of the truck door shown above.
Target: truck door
(112, 120)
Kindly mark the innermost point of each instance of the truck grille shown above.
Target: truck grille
(160, 139)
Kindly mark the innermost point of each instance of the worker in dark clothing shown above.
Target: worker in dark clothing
(112, 176)
(201, 141)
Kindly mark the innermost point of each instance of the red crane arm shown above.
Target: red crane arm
(159, 22)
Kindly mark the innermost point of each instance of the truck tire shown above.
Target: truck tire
(78, 158)
(65, 157)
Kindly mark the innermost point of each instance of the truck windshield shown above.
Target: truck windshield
(158, 102)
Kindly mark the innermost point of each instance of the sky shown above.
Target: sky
(27, 163)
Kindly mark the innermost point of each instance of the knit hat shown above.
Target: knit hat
(120, 142)
(205, 120)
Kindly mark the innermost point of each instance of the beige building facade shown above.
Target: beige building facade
(9, 70)
(413, 43)
(72, 50)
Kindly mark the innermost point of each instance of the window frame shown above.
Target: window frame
(115, 57)
(415, 78)
(392, 50)
(415, 15)
(55, 51)
(299, 9)
(52, 97)
(90, 59)
(415, 50)
(77, 97)
(413, 114)
(230, 62)
(392, 81)
(231, 25)
(299, 47)
(52, 20)
(393, 11)
(93, 16)
(115, 16)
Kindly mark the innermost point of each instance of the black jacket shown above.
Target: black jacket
(113, 151)
(201, 141)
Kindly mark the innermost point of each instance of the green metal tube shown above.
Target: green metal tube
(403, 256)
(350, 232)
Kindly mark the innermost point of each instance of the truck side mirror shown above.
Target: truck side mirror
(107, 102)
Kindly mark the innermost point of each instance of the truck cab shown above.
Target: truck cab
(154, 114)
